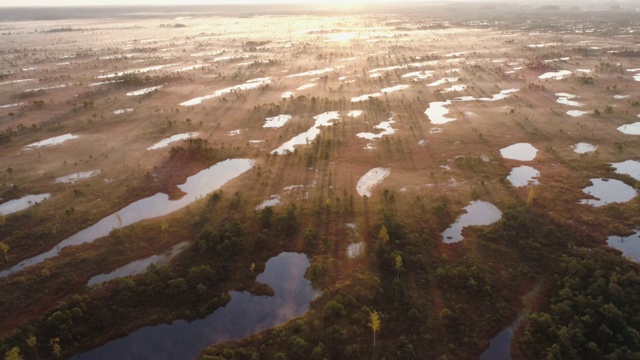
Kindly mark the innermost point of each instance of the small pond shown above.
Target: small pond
(607, 191)
(629, 167)
(144, 91)
(249, 85)
(565, 99)
(355, 113)
(523, 176)
(324, 119)
(520, 151)
(478, 213)
(577, 113)
(52, 141)
(76, 177)
(24, 202)
(372, 178)
(583, 148)
(273, 200)
(276, 121)
(386, 128)
(355, 249)
(630, 245)
(139, 266)
(437, 111)
(165, 142)
(630, 129)
(443, 81)
(500, 345)
(122, 111)
(555, 75)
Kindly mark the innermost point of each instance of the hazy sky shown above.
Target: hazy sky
(12, 3)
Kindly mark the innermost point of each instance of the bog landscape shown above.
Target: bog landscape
(424, 181)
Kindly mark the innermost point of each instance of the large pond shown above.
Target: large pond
(607, 191)
(478, 213)
(244, 315)
(630, 245)
(24, 202)
(196, 186)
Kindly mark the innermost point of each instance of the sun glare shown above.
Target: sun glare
(342, 37)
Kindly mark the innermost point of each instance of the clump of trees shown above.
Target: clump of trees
(593, 311)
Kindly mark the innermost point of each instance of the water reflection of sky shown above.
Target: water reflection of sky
(244, 315)
(630, 245)
(196, 186)
(500, 346)
(478, 213)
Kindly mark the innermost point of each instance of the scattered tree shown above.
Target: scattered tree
(383, 235)
(13, 354)
(5, 249)
(531, 197)
(33, 344)
(55, 347)
(398, 265)
(374, 324)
